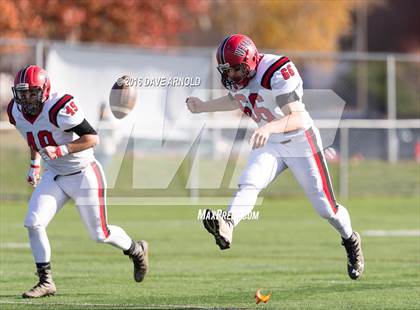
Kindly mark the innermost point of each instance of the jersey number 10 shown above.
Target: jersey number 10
(45, 138)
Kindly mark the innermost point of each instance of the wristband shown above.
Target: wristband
(36, 163)
(62, 150)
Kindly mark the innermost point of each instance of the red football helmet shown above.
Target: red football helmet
(31, 89)
(237, 52)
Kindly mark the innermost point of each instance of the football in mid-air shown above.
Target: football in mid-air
(122, 97)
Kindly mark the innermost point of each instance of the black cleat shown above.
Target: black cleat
(355, 260)
(139, 254)
(220, 228)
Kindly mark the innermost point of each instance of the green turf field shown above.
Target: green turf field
(289, 251)
(367, 178)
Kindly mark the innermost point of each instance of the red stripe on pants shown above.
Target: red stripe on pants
(101, 191)
(321, 172)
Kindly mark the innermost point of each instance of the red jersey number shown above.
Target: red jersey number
(45, 138)
(71, 108)
(259, 112)
(287, 72)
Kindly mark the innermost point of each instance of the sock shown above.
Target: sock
(341, 222)
(243, 202)
(46, 266)
(40, 245)
(350, 238)
(131, 249)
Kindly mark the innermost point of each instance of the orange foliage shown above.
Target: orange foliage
(291, 25)
(142, 22)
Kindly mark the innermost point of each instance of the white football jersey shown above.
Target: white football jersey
(50, 127)
(276, 83)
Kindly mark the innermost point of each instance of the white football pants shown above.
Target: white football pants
(303, 154)
(88, 190)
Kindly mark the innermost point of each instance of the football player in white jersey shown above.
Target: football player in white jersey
(55, 129)
(268, 88)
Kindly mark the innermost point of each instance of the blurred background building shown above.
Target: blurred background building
(367, 52)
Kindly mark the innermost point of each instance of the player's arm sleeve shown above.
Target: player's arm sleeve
(84, 128)
(286, 85)
(66, 113)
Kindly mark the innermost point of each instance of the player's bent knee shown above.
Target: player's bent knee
(33, 226)
(247, 192)
(252, 180)
(329, 212)
(98, 237)
(322, 205)
(249, 187)
(327, 215)
(326, 211)
(32, 223)
(95, 235)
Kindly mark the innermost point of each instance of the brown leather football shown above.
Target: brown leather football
(122, 97)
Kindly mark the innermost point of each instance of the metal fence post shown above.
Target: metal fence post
(344, 163)
(391, 108)
(39, 53)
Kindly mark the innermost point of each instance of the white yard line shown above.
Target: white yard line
(102, 306)
(14, 245)
(392, 233)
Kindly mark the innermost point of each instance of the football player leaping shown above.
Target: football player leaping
(56, 130)
(268, 89)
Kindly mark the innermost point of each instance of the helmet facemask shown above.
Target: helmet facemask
(237, 82)
(28, 98)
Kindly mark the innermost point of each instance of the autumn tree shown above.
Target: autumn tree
(140, 22)
(291, 25)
